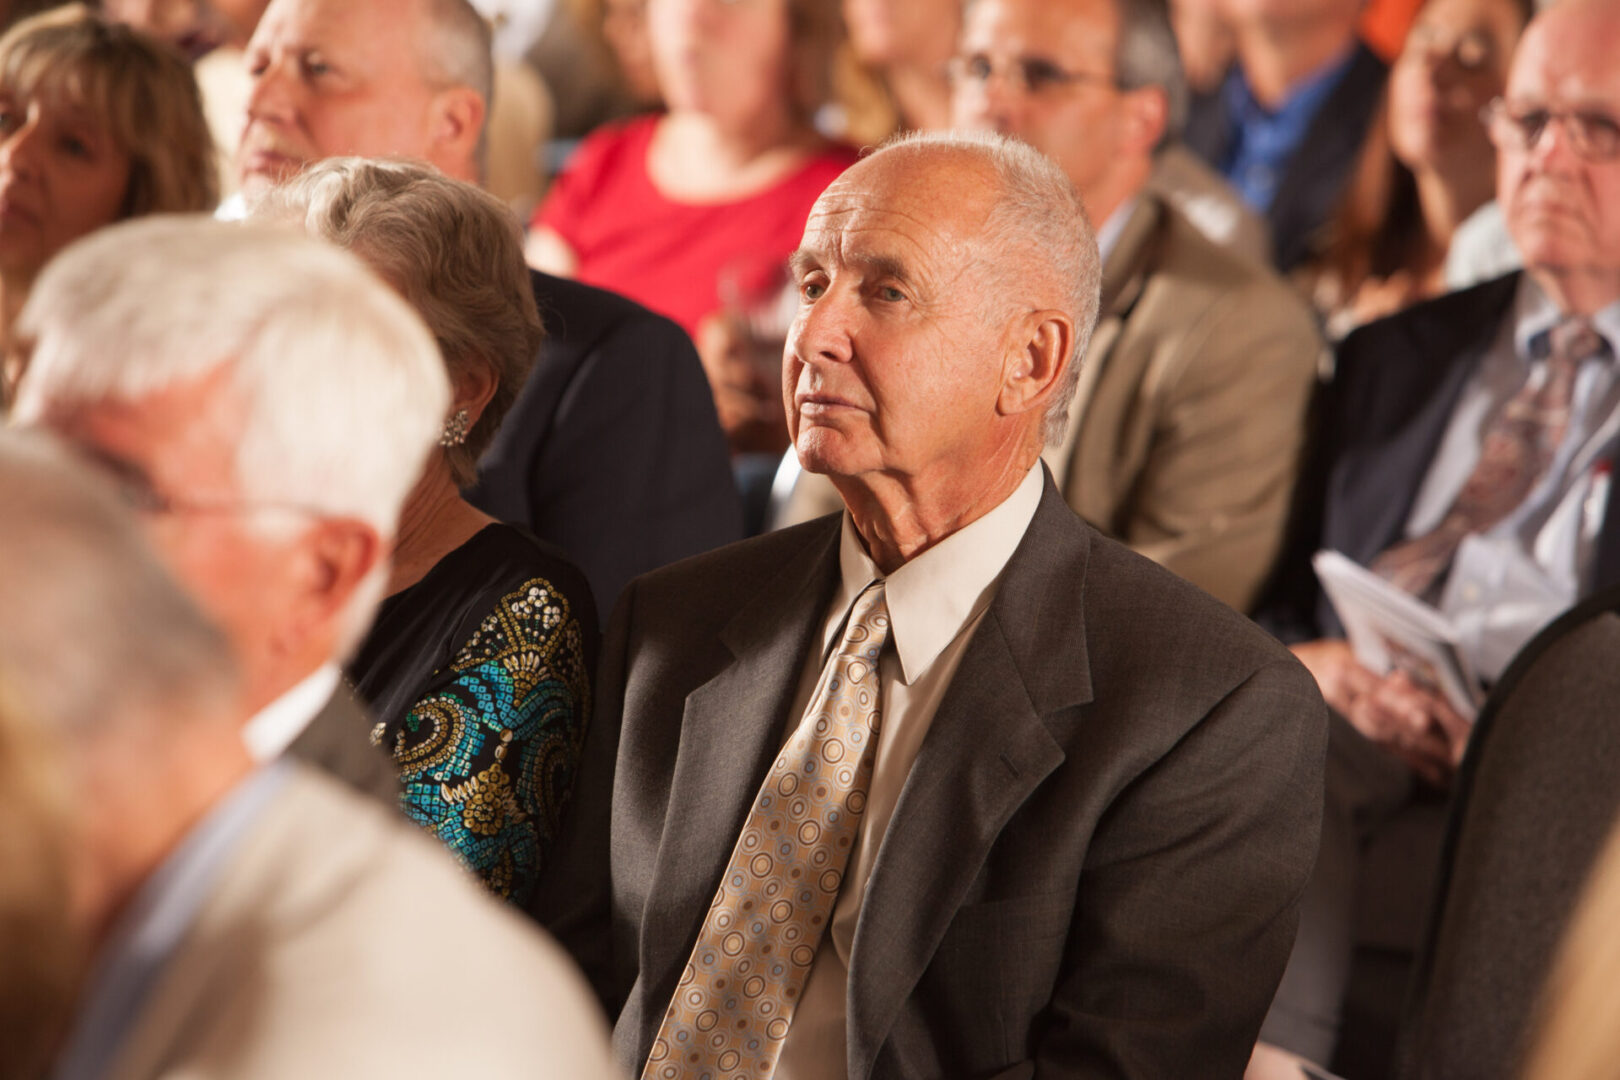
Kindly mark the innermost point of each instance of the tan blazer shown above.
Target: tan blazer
(340, 941)
(1187, 424)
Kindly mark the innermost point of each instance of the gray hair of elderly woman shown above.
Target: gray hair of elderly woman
(94, 634)
(453, 250)
(1038, 237)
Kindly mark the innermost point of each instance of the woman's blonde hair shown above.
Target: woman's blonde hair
(141, 88)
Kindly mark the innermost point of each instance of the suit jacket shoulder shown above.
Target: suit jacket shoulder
(340, 940)
(612, 450)
(1188, 418)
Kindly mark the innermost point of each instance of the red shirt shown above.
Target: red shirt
(667, 255)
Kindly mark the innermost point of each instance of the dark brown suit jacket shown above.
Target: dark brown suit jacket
(1093, 868)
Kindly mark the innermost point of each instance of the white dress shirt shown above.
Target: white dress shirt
(1512, 579)
(273, 728)
(935, 603)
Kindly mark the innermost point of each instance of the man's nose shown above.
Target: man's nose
(1552, 149)
(272, 96)
(821, 332)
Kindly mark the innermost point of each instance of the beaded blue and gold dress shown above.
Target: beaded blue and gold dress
(478, 676)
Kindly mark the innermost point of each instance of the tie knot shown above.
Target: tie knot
(868, 629)
(1574, 340)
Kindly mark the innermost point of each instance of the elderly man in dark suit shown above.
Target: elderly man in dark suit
(1466, 450)
(612, 450)
(948, 784)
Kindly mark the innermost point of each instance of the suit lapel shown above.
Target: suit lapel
(732, 727)
(1376, 482)
(994, 738)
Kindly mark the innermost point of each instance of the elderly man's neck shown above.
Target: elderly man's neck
(1578, 291)
(900, 517)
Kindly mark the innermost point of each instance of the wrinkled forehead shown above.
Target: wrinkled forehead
(933, 210)
(350, 30)
(1568, 56)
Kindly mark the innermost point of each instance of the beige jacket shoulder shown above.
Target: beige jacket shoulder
(1187, 424)
(340, 941)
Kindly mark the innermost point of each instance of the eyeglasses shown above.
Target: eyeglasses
(1593, 135)
(1031, 75)
(136, 492)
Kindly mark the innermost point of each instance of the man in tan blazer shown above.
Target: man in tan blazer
(1187, 422)
(249, 920)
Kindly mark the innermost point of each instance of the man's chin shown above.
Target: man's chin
(258, 177)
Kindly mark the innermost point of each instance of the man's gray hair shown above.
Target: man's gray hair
(1147, 56)
(1047, 249)
(342, 385)
(93, 631)
(452, 249)
(457, 49)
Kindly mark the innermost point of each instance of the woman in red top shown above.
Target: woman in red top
(698, 208)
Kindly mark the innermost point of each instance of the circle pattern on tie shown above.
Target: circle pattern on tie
(779, 888)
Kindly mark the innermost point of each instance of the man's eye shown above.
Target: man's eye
(1602, 132)
(315, 66)
(812, 290)
(1042, 75)
(891, 294)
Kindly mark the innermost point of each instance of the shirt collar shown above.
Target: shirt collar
(933, 596)
(273, 728)
(1297, 109)
(1108, 235)
(1534, 313)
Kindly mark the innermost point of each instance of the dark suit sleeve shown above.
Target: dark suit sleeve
(1190, 893)
(573, 899)
(635, 473)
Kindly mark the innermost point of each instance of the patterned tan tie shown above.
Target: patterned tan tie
(736, 997)
(1518, 447)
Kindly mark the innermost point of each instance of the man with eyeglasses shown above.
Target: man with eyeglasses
(1188, 420)
(221, 379)
(1466, 452)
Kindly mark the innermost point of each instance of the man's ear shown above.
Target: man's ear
(1039, 353)
(335, 555)
(456, 120)
(1146, 114)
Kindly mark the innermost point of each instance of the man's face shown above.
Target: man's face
(1562, 210)
(886, 32)
(173, 452)
(333, 77)
(1043, 70)
(893, 361)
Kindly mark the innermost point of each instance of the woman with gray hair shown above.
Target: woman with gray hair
(478, 666)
